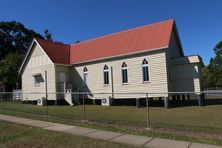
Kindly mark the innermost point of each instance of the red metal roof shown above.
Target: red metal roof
(57, 52)
(135, 40)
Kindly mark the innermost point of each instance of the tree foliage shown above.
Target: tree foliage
(212, 74)
(48, 35)
(77, 41)
(9, 67)
(218, 48)
(15, 39)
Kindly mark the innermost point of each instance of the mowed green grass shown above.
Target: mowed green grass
(192, 116)
(193, 123)
(14, 135)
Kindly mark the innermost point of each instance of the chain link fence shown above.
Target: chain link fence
(144, 110)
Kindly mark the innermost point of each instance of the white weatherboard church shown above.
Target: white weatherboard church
(139, 60)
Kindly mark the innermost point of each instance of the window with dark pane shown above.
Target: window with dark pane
(85, 76)
(106, 74)
(145, 70)
(124, 73)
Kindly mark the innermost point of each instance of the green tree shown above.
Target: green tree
(14, 37)
(15, 40)
(77, 41)
(218, 48)
(212, 74)
(206, 77)
(48, 35)
(9, 67)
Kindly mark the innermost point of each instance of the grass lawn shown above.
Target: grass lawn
(193, 123)
(14, 135)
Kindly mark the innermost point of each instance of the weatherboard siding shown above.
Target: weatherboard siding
(38, 62)
(64, 69)
(186, 77)
(157, 83)
(172, 52)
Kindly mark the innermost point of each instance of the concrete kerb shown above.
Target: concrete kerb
(59, 127)
(29, 122)
(199, 145)
(166, 143)
(132, 139)
(104, 135)
(80, 131)
(41, 124)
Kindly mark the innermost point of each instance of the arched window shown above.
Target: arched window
(145, 70)
(124, 73)
(85, 76)
(106, 74)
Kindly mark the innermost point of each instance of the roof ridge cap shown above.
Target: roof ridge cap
(53, 42)
(115, 33)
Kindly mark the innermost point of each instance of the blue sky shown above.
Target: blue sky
(199, 21)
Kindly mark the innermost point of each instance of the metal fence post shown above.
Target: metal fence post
(20, 100)
(83, 109)
(46, 93)
(201, 99)
(1, 101)
(147, 113)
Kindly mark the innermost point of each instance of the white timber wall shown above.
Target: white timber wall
(38, 62)
(186, 77)
(157, 75)
(172, 52)
(65, 69)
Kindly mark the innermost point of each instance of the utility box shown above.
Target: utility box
(41, 101)
(106, 101)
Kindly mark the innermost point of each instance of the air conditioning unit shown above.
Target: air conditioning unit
(41, 101)
(106, 101)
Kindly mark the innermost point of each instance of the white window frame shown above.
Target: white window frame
(85, 76)
(36, 81)
(105, 71)
(145, 65)
(122, 69)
